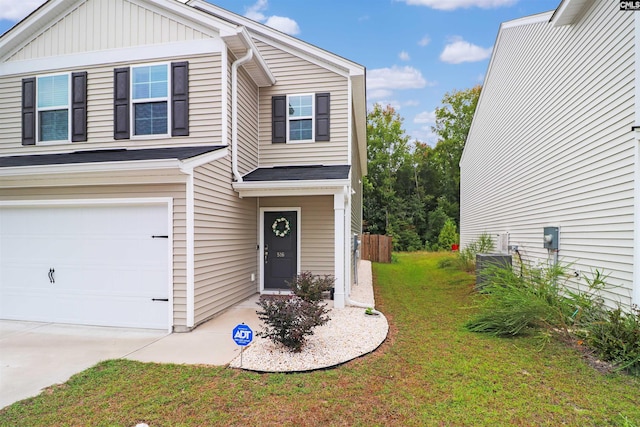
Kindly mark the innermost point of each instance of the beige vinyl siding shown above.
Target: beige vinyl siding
(551, 145)
(247, 123)
(295, 75)
(356, 202)
(175, 191)
(205, 101)
(107, 24)
(316, 216)
(225, 242)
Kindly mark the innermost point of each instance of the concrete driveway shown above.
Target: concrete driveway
(37, 355)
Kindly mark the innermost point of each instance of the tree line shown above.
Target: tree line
(412, 189)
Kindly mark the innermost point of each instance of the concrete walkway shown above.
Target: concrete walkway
(37, 355)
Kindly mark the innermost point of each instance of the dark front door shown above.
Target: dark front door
(280, 249)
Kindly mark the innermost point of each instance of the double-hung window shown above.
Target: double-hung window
(300, 118)
(54, 108)
(151, 99)
(150, 96)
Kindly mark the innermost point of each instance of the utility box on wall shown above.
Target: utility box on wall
(551, 238)
(485, 263)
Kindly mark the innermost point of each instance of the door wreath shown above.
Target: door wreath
(278, 230)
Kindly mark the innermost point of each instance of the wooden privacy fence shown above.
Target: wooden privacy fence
(376, 248)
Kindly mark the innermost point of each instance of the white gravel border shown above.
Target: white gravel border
(350, 333)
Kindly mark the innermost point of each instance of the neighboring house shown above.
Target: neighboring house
(555, 143)
(162, 160)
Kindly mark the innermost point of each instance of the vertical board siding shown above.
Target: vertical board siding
(205, 101)
(551, 145)
(317, 217)
(225, 242)
(295, 75)
(107, 24)
(176, 191)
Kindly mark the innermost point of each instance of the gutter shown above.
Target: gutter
(234, 112)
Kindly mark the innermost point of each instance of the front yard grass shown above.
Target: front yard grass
(430, 372)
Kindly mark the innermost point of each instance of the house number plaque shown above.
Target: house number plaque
(280, 254)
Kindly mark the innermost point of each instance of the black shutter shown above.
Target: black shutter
(79, 106)
(180, 99)
(121, 126)
(29, 111)
(279, 119)
(322, 116)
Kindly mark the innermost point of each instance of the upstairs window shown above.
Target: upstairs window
(54, 108)
(151, 99)
(150, 95)
(300, 118)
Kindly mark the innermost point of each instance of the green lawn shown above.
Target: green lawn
(429, 372)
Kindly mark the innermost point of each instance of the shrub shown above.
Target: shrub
(448, 235)
(289, 319)
(616, 338)
(310, 287)
(467, 257)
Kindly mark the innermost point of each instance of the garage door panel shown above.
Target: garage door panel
(108, 268)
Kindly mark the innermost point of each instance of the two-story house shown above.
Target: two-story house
(162, 160)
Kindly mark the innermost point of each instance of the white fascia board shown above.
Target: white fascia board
(194, 162)
(114, 56)
(244, 38)
(538, 18)
(287, 42)
(290, 188)
(569, 12)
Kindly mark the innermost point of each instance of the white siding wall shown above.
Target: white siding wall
(295, 75)
(205, 101)
(225, 242)
(551, 144)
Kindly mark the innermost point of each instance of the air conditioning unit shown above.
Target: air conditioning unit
(486, 262)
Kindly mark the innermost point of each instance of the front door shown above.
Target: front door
(280, 249)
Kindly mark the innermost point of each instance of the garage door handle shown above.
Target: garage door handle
(159, 237)
(160, 299)
(52, 278)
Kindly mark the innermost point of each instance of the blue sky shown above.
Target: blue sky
(415, 51)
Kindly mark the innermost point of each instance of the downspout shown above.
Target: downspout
(234, 112)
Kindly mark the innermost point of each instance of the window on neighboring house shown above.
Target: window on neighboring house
(151, 100)
(300, 118)
(54, 108)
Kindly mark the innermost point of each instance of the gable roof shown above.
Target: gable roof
(298, 173)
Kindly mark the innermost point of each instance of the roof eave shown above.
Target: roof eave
(290, 188)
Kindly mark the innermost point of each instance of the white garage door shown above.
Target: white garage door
(91, 265)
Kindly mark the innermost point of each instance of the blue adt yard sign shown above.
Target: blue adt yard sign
(242, 335)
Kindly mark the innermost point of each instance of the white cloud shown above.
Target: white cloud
(280, 23)
(284, 24)
(425, 117)
(424, 41)
(458, 4)
(396, 78)
(425, 134)
(13, 10)
(404, 56)
(458, 51)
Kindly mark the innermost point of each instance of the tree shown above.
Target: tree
(453, 122)
(387, 152)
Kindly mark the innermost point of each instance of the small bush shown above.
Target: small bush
(467, 257)
(310, 287)
(616, 338)
(289, 319)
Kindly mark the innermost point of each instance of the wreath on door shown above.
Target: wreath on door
(281, 227)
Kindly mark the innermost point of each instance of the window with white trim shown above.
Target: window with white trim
(150, 98)
(53, 107)
(300, 118)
